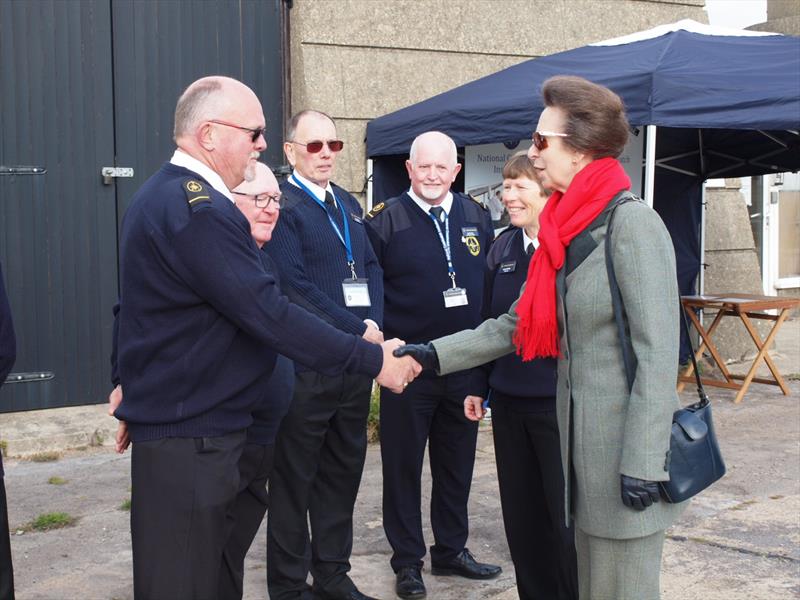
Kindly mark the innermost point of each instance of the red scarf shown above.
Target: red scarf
(564, 216)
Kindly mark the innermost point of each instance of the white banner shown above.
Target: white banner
(483, 174)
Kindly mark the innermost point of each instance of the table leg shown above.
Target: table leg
(762, 353)
(705, 335)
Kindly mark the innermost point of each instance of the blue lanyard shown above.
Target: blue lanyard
(348, 247)
(444, 238)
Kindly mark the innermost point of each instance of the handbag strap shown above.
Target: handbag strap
(701, 391)
(628, 355)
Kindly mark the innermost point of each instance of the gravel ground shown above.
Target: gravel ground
(738, 540)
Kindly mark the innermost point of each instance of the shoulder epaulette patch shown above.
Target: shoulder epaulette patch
(196, 194)
(376, 209)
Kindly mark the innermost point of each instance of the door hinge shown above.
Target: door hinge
(30, 377)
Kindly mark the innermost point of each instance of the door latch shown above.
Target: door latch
(109, 173)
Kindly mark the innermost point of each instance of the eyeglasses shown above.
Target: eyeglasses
(254, 133)
(264, 200)
(316, 145)
(539, 138)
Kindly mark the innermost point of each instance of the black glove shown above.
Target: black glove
(638, 493)
(424, 354)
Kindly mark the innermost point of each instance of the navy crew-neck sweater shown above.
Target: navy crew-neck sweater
(312, 260)
(410, 251)
(532, 382)
(277, 393)
(200, 317)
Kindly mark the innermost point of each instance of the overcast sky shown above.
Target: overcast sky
(736, 13)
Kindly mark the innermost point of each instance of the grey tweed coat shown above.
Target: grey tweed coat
(605, 430)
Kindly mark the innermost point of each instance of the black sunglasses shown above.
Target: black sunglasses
(316, 145)
(539, 138)
(254, 133)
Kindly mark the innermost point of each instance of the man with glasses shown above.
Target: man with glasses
(259, 201)
(197, 328)
(327, 265)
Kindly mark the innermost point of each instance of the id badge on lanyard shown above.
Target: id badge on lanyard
(356, 292)
(454, 296)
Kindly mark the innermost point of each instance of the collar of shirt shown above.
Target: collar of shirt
(318, 191)
(181, 159)
(446, 204)
(526, 240)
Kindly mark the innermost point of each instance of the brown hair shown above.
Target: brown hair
(519, 165)
(594, 115)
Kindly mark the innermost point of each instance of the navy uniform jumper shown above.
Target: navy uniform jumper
(431, 408)
(200, 319)
(526, 442)
(255, 468)
(322, 441)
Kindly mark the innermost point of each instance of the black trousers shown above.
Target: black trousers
(319, 457)
(245, 516)
(532, 498)
(182, 491)
(431, 410)
(6, 570)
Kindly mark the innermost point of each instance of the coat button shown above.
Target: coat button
(667, 460)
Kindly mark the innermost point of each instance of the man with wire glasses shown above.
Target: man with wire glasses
(327, 265)
(259, 201)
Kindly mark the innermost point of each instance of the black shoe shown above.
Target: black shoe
(351, 595)
(409, 584)
(465, 565)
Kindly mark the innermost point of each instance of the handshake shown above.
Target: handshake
(403, 362)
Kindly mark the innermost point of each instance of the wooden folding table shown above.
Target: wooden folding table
(746, 307)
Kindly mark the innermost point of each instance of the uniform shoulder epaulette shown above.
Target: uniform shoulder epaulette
(376, 209)
(196, 194)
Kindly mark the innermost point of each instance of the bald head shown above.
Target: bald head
(434, 141)
(432, 166)
(205, 99)
(219, 121)
(263, 182)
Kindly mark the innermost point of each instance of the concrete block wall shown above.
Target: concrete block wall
(733, 265)
(360, 59)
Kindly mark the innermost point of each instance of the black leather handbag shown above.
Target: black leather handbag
(695, 461)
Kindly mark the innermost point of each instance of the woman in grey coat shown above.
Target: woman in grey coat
(614, 441)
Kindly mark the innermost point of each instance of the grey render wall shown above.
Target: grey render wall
(360, 59)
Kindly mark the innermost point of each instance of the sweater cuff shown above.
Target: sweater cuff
(372, 359)
(478, 383)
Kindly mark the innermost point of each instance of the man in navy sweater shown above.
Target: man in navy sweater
(8, 354)
(259, 200)
(199, 321)
(432, 246)
(327, 265)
